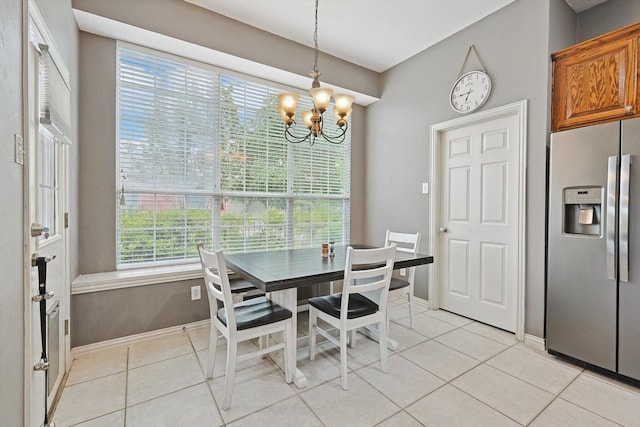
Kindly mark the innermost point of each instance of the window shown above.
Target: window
(204, 159)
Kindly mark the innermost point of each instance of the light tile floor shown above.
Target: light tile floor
(448, 371)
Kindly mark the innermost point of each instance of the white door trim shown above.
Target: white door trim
(520, 110)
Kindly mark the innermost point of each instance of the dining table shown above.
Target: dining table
(282, 272)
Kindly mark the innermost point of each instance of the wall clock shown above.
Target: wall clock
(470, 91)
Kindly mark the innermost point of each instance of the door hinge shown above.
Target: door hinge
(66, 220)
(66, 327)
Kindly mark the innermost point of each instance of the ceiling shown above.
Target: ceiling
(375, 34)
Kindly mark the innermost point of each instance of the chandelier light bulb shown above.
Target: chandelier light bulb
(321, 97)
(343, 102)
(289, 102)
(306, 117)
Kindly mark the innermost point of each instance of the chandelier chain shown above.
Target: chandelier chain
(315, 42)
(314, 119)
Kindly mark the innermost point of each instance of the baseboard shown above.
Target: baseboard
(133, 339)
(421, 301)
(534, 341)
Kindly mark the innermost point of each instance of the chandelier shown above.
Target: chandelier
(314, 118)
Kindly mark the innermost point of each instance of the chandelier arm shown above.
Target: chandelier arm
(295, 139)
(335, 139)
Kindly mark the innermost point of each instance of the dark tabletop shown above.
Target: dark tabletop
(277, 270)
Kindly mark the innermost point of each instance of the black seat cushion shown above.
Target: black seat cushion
(397, 283)
(358, 305)
(241, 285)
(256, 312)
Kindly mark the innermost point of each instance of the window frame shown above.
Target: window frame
(215, 192)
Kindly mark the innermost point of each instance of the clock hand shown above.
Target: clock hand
(468, 93)
(465, 94)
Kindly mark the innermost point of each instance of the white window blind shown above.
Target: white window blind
(55, 95)
(205, 160)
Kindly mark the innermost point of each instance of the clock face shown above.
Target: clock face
(470, 92)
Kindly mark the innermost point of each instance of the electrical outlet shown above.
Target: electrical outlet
(403, 271)
(195, 293)
(19, 149)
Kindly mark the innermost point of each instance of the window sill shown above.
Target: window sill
(96, 282)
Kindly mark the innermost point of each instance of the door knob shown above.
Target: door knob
(38, 230)
(443, 229)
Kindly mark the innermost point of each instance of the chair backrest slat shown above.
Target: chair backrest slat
(367, 270)
(405, 242)
(216, 280)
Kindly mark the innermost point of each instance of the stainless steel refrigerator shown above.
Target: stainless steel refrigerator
(593, 276)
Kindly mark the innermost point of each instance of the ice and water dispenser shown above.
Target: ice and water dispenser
(583, 211)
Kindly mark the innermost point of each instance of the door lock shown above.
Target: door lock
(42, 365)
(40, 297)
(34, 259)
(443, 229)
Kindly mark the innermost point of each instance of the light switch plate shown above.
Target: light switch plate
(195, 293)
(425, 188)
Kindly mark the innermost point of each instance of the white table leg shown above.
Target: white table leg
(372, 332)
(288, 298)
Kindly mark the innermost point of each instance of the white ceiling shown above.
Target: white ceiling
(376, 34)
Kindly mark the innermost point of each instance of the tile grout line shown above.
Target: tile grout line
(204, 374)
(557, 396)
(126, 387)
(396, 414)
(583, 372)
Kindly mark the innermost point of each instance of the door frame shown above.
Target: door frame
(519, 109)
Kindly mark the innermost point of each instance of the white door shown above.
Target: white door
(479, 224)
(45, 202)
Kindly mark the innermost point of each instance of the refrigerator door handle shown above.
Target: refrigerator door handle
(611, 217)
(623, 250)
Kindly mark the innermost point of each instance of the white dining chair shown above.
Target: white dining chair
(363, 302)
(409, 243)
(255, 318)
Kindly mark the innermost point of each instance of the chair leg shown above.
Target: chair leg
(211, 360)
(382, 338)
(410, 299)
(313, 322)
(232, 352)
(343, 359)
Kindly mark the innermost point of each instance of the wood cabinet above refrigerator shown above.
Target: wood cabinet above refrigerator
(596, 81)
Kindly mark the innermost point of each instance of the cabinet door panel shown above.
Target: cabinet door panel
(596, 84)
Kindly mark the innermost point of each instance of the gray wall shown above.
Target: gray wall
(415, 96)
(605, 17)
(129, 311)
(515, 52)
(11, 297)
(97, 130)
